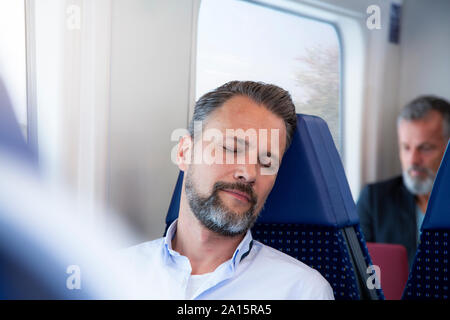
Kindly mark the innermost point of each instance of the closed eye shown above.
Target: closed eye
(427, 147)
(229, 150)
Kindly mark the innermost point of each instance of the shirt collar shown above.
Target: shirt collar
(169, 237)
(240, 253)
(243, 249)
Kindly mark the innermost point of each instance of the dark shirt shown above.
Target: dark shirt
(387, 213)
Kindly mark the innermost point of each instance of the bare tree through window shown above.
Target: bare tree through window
(319, 78)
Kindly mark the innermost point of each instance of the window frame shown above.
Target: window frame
(30, 61)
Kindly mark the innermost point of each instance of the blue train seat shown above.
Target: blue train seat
(429, 274)
(310, 213)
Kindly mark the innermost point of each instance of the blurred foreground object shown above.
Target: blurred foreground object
(47, 251)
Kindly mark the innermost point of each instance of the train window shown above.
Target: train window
(240, 40)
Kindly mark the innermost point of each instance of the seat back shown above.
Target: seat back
(429, 274)
(310, 213)
(392, 260)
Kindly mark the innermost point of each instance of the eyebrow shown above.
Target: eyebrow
(423, 144)
(241, 141)
(426, 144)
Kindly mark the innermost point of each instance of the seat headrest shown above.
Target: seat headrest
(438, 209)
(311, 187)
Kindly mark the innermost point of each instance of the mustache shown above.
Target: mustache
(243, 187)
(420, 169)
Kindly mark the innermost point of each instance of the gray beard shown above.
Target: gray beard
(419, 186)
(215, 215)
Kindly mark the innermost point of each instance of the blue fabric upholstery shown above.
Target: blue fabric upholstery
(311, 174)
(310, 213)
(429, 275)
(322, 248)
(174, 206)
(438, 210)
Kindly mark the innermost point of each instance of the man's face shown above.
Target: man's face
(422, 146)
(227, 196)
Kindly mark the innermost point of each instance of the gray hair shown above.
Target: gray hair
(273, 98)
(421, 106)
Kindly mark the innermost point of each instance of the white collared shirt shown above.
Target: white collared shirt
(255, 271)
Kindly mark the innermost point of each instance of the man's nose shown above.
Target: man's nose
(415, 158)
(246, 173)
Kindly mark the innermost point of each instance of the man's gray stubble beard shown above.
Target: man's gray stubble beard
(214, 214)
(416, 185)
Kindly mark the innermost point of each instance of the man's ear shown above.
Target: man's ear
(184, 152)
